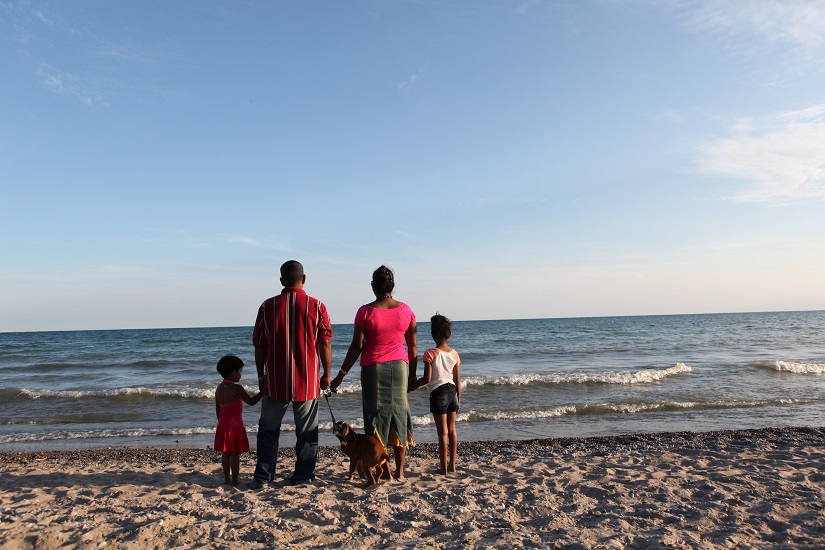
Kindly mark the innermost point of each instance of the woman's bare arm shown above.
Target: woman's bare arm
(412, 354)
(354, 351)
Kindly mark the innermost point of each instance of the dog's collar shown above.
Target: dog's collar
(347, 438)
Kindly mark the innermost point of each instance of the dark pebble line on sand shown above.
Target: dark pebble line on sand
(766, 438)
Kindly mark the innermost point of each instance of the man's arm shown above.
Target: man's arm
(260, 364)
(324, 347)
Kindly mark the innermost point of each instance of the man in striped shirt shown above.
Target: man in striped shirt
(293, 341)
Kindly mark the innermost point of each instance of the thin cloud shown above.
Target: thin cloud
(407, 84)
(39, 15)
(759, 246)
(245, 240)
(796, 24)
(491, 202)
(99, 70)
(670, 116)
(255, 243)
(781, 157)
(479, 202)
(405, 235)
(69, 84)
(524, 7)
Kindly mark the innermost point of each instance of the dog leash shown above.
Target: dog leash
(327, 393)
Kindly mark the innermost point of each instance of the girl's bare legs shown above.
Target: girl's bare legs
(453, 441)
(225, 463)
(441, 427)
(235, 466)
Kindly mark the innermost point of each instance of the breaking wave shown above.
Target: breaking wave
(794, 367)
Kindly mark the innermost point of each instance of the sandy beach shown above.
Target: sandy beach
(737, 489)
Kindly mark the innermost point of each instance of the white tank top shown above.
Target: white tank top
(443, 363)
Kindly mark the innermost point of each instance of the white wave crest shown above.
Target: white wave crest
(349, 387)
(358, 423)
(621, 408)
(188, 393)
(527, 414)
(103, 434)
(793, 367)
(644, 376)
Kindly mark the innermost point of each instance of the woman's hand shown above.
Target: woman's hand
(337, 381)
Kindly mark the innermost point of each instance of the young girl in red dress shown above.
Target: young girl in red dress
(230, 437)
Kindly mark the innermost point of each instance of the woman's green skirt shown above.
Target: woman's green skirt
(384, 397)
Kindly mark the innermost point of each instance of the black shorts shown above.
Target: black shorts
(444, 399)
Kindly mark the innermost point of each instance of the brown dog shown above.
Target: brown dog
(365, 452)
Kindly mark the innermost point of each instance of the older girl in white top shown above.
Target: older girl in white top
(443, 380)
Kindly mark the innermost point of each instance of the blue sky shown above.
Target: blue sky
(160, 160)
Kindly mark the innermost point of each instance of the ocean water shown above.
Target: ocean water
(522, 379)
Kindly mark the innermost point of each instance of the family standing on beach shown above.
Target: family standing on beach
(293, 353)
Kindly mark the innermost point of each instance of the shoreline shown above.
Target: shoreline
(757, 488)
(658, 441)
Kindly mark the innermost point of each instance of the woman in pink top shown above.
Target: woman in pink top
(382, 329)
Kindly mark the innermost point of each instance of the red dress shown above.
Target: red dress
(230, 437)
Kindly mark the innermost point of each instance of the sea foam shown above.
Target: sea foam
(794, 367)
(124, 393)
(644, 376)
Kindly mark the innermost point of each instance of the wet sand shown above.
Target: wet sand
(737, 489)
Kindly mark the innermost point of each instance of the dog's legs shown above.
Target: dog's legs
(372, 481)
